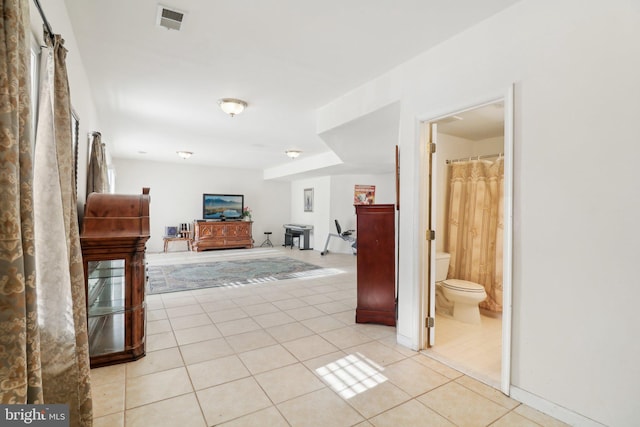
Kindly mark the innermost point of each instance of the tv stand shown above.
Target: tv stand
(222, 235)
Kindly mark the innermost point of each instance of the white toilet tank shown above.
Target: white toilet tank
(442, 265)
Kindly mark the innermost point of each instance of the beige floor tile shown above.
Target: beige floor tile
(288, 382)
(412, 414)
(158, 326)
(217, 371)
(197, 334)
(205, 350)
(318, 362)
(333, 307)
(239, 326)
(177, 411)
(267, 358)
(377, 398)
(346, 317)
(289, 331)
(273, 319)
(375, 331)
(488, 392)
(177, 299)
(155, 361)
(322, 324)
(439, 367)
(288, 304)
(514, 420)
(213, 306)
(315, 299)
(108, 398)
(462, 406)
(258, 309)
(364, 424)
(538, 417)
(232, 400)
(190, 321)
(108, 374)
(379, 353)
(269, 417)
(186, 310)
(345, 337)
(249, 300)
(309, 347)
(220, 316)
(250, 341)
(302, 313)
(414, 378)
(156, 315)
(320, 408)
(157, 386)
(161, 341)
(113, 420)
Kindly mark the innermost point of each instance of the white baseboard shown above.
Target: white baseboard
(552, 409)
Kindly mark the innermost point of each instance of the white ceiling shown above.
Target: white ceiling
(156, 90)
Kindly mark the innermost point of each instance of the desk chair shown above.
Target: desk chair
(346, 236)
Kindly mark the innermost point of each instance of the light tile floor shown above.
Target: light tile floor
(286, 353)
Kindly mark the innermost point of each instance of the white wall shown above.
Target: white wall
(176, 195)
(575, 66)
(333, 199)
(321, 203)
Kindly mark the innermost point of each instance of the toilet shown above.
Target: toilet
(459, 298)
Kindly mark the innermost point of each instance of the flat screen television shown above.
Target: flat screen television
(222, 206)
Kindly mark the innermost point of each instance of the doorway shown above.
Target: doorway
(466, 141)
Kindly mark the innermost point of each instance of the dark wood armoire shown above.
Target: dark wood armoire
(115, 230)
(376, 266)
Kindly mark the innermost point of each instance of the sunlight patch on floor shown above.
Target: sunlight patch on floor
(352, 375)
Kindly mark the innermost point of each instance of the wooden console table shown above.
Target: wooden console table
(221, 235)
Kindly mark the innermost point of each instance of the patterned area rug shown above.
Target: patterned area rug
(181, 277)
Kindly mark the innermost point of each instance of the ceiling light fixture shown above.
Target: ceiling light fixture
(293, 153)
(232, 106)
(184, 154)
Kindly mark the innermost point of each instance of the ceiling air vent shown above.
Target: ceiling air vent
(169, 19)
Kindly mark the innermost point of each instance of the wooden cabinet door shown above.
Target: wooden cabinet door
(376, 277)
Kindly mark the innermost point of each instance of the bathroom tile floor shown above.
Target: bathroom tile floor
(286, 353)
(474, 349)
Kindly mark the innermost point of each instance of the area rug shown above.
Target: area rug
(181, 277)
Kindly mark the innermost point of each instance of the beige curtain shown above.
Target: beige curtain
(475, 226)
(97, 178)
(20, 374)
(60, 279)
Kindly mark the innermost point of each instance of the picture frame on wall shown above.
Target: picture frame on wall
(308, 199)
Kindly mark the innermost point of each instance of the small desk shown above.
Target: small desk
(296, 230)
(176, 239)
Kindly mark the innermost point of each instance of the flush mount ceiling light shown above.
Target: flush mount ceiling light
(184, 154)
(232, 106)
(293, 153)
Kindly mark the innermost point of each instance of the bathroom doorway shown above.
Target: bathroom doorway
(471, 145)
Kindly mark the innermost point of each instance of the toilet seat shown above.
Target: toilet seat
(462, 286)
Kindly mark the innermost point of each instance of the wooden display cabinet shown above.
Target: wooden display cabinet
(115, 230)
(376, 272)
(222, 235)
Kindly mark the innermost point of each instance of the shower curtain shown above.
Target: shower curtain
(476, 226)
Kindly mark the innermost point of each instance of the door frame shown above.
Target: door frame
(427, 248)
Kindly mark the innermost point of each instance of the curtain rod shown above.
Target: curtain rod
(464, 159)
(44, 18)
